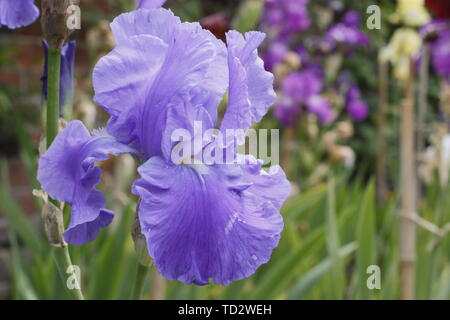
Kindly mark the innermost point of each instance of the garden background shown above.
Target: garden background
(348, 162)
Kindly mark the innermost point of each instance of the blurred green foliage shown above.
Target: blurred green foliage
(333, 232)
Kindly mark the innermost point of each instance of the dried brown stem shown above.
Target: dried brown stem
(408, 193)
(383, 78)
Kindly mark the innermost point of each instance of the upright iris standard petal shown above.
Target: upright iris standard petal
(251, 87)
(66, 73)
(207, 223)
(181, 38)
(17, 13)
(191, 63)
(67, 173)
(122, 80)
(151, 4)
(182, 115)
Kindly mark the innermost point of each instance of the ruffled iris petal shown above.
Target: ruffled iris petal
(122, 79)
(271, 185)
(193, 67)
(251, 87)
(182, 115)
(164, 25)
(67, 173)
(17, 13)
(207, 222)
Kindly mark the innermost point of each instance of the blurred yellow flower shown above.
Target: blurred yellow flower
(411, 13)
(404, 45)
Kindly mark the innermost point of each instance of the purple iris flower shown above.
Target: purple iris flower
(17, 13)
(287, 110)
(438, 33)
(301, 90)
(322, 108)
(66, 73)
(347, 32)
(286, 16)
(201, 221)
(67, 173)
(357, 109)
(274, 55)
(440, 51)
(352, 19)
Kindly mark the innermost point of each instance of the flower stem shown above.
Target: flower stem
(63, 262)
(141, 274)
(408, 192)
(383, 79)
(54, 65)
(60, 254)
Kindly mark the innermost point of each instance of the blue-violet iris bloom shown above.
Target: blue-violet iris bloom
(201, 221)
(17, 13)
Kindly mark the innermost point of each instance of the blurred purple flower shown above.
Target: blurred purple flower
(322, 108)
(302, 85)
(201, 222)
(352, 19)
(274, 55)
(357, 109)
(300, 92)
(347, 32)
(440, 52)
(17, 13)
(437, 32)
(286, 16)
(66, 73)
(287, 110)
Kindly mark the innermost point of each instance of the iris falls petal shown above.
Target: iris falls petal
(205, 223)
(68, 173)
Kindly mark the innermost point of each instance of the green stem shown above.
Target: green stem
(63, 262)
(61, 254)
(141, 274)
(54, 65)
